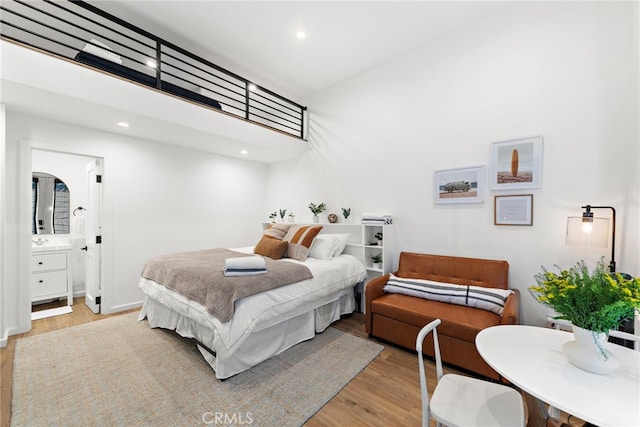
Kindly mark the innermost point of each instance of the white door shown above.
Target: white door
(94, 235)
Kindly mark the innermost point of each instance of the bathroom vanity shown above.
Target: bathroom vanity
(51, 272)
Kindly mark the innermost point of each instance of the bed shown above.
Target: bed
(262, 325)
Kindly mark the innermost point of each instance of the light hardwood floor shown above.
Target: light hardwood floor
(386, 392)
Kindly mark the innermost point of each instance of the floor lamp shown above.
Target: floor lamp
(591, 231)
(594, 232)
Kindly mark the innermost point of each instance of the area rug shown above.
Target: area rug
(119, 372)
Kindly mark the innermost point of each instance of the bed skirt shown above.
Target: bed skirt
(261, 344)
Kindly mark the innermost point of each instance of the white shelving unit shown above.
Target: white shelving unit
(362, 244)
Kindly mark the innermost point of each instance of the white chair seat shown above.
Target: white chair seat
(466, 401)
(461, 401)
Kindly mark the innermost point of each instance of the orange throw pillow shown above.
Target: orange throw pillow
(300, 238)
(270, 247)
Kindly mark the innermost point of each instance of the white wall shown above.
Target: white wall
(157, 199)
(3, 228)
(567, 71)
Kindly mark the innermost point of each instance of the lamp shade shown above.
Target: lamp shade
(593, 232)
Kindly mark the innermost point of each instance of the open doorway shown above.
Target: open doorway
(62, 221)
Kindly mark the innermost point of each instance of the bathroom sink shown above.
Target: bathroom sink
(53, 246)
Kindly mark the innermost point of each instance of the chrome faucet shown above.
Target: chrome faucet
(40, 242)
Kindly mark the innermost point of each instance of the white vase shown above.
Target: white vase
(588, 352)
(316, 218)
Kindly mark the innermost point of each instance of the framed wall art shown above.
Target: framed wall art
(513, 209)
(516, 163)
(464, 185)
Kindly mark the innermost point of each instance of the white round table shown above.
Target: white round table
(532, 359)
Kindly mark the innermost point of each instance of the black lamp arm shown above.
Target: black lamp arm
(612, 264)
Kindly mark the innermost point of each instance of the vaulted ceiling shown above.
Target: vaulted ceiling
(257, 39)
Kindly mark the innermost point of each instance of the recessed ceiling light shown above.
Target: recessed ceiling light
(252, 87)
(244, 152)
(151, 63)
(123, 124)
(301, 34)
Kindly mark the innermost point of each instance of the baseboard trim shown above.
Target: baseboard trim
(123, 307)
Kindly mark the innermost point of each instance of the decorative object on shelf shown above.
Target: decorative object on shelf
(462, 185)
(376, 260)
(332, 218)
(596, 301)
(292, 217)
(317, 210)
(283, 213)
(378, 236)
(273, 215)
(591, 231)
(346, 212)
(513, 209)
(516, 163)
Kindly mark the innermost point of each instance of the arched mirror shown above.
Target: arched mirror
(49, 204)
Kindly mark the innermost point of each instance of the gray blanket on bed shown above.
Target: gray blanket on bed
(199, 276)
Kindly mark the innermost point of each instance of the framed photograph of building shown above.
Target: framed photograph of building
(464, 185)
(513, 209)
(516, 163)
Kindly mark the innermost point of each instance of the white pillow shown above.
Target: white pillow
(342, 240)
(491, 299)
(323, 246)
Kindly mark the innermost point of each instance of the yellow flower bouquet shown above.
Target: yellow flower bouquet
(598, 301)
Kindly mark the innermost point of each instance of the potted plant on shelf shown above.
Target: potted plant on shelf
(317, 210)
(378, 236)
(346, 212)
(594, 302)
(273, 215)
(376, 260)
(292, 217)
(283, 212)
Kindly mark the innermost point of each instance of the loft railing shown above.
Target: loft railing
(81, 32)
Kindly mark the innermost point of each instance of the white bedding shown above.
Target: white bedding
(309, 306)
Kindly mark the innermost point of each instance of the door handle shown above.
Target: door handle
(84, 249)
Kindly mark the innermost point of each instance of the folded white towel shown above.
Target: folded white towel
(252, 262)
(375, 215)
(238, 273)
(376, 219)
(79, 227)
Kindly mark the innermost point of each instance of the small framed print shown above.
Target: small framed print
(516, 163)
(513, 209)
(463, 185)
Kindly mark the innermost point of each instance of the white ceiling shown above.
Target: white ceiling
(257, 39)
